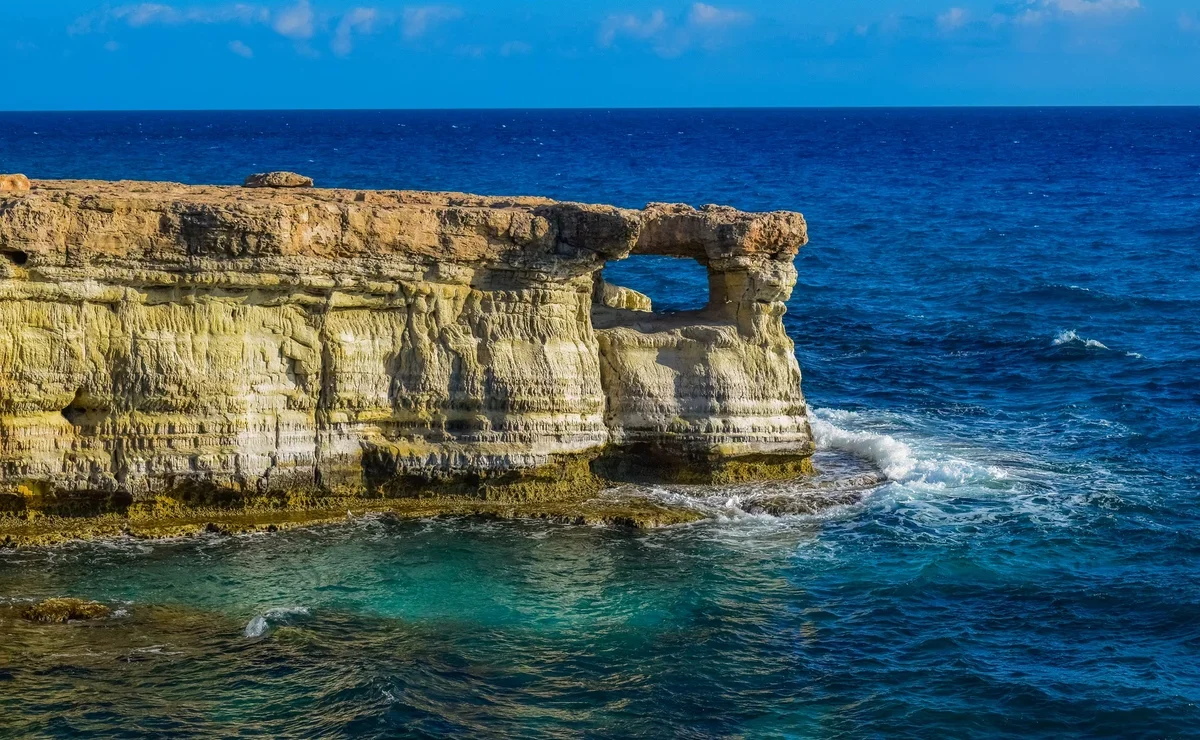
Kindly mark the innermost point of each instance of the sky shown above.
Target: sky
(198, 54)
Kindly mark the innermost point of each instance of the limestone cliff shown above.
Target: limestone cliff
(158, 338)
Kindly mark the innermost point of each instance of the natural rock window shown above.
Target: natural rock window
(15, 256)
(671, 283)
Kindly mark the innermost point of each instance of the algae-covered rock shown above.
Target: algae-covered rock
(60, 610)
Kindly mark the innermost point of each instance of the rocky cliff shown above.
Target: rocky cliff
(167, 343)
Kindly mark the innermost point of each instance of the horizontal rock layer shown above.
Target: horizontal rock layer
(156, 337)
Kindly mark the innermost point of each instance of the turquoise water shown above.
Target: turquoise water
(999, 323)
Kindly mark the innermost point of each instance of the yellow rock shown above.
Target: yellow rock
(166, 346)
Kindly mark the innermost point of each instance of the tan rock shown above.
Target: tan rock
(618, 296)
(278, 180)
(60, 610)
(13, 183)
(162, 343)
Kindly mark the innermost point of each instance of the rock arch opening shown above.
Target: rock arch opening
(672, 284)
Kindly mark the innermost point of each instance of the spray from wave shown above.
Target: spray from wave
(898, 460)
(258, 626)
(1069, 338)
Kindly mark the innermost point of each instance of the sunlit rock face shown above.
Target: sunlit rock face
(155, 336)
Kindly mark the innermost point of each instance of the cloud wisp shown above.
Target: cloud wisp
(358, 20)
(240, 48)
(299, 21)
(1037, 12)
(704, 25)
(416, 21)
(952, 20)
(296, 22)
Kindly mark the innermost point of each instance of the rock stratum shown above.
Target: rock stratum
(165, 346)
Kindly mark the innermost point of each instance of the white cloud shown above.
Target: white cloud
(632, 25)
(704, 24)
(418, 20)
(239, 48)
(702, 14)
(141, 15)
(514, 48)
(147, 13)
(358, 20)
(952, 19)
(1036, 12)
(295, 22)
(1094, 7)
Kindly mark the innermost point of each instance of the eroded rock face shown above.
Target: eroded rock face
(157, 337)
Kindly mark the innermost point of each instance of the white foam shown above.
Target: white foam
(1069, 336)
(895, 458)
(258, 626)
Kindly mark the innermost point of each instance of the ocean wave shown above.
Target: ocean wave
(898, 460)
(258, 626)
(1069, 338)
(856, 466)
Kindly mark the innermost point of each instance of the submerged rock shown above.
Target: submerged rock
(277, 180)
(59, 610)
(169, 349)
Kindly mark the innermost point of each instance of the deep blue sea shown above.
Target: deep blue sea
(999, 310)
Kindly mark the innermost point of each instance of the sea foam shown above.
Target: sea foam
(897, 460)
(258, 626)
(1068, 337)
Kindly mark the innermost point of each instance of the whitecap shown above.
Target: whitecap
(1069, 337)
(897, 459)
(258, 626)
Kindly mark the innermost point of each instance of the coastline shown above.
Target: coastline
(18, 532)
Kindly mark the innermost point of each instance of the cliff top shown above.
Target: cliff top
(73, 221)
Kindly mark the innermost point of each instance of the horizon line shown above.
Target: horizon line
(1057, 106)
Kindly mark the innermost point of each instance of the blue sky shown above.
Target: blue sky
(83, 54)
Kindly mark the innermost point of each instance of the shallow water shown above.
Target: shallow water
(999, 313)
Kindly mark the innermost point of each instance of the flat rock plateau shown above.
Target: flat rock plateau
(177, 358)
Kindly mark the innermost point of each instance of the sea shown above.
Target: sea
(998, 321)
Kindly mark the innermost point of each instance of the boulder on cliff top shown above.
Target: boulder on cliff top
(278, 180)
(13, 183)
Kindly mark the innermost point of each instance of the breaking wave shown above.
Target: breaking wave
(258, 626)
(897, 460)
(1068, 338)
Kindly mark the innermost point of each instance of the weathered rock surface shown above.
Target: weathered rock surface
(60, 610)
(13, 183)
(277, 180)
(162, 343)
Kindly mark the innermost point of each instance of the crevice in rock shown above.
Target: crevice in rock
(75, 411)
(15, 256)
